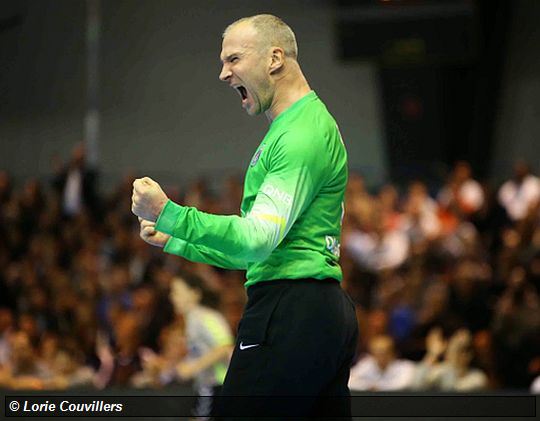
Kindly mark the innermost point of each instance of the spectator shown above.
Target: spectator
(470, 294)
(120, 363)
(521, 193)
(462, 193)
(69, 371)
(24, 369)
(154, 313)
(375, 247)
(208, 336)
(455, 372)
(535, 386)
(75, 184)
(516, 329)
(381, 370)
(160, 369)
(420, 221)
(66, 278)
(6, 328)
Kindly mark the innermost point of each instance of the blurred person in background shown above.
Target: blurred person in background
(208, 338)
(462, 193)
(116, 295)
(484, 356)
(69, 371)
(153, 312)
(521, 193)
(377, 247)
(24, 369)
(432, 311)
(120, 361)
(75, 184)
(373, 323)
(394, 294)
(535, 386)
(516, 329)
(65, 362)
(160, 368)
(454, 372)
(381, 370)
(420, 220)
(31, 203)
(6, 328)
(388, 199)
(471, 292)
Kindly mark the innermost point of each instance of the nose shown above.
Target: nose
(225, 73)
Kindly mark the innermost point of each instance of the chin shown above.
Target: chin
(253, 112)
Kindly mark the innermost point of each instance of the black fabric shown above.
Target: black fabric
(299, 339)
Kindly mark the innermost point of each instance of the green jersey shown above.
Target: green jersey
(292, 208)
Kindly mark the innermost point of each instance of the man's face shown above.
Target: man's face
(383, 353)
(183, 297)
(245, 68)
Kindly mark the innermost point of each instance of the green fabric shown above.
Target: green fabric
(221, 337)
(292, 208)
(220, 371)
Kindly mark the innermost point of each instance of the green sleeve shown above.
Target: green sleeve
(202, 254)
(296, 167)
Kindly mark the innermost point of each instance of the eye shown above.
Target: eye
(234, 59)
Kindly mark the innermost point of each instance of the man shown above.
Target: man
(298, 333)
(381, 369)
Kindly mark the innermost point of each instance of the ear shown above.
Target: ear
(277, 59)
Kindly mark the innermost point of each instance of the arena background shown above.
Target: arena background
(164, 111)
(414, 85)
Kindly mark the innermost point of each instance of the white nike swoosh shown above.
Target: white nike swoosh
(242, 346)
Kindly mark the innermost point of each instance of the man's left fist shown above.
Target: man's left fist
(148, 199)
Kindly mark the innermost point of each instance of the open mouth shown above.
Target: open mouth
(242, 91)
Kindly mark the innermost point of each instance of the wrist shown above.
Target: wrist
(158, 209)
(170, 214)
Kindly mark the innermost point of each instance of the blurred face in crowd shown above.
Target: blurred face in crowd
(126, 329)
(65, 364)
(6, 319)
(246, 68)
(382, 349)
(521, 170)
(144, 300)
(464, 357)
(462, 171)
(28, 324)
(183, 297)
(119, 279)
(22, 353)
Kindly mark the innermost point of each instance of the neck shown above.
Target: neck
(290, 87)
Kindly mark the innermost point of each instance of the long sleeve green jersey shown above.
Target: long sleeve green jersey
(292, 208)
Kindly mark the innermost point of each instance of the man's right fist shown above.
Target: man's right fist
(149, 234)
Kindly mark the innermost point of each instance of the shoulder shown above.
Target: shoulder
(366, 363)
(299, 145)
(404, 365)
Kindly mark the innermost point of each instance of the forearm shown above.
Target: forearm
(248, 239)
(210, 358)
(201, 254)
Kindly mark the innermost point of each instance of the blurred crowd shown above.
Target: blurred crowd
(446, 281)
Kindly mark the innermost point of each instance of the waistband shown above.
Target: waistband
(301, 281)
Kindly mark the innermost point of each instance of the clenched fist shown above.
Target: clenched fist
(148, 199)
(149, 234)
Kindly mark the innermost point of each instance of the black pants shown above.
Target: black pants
(293, 352)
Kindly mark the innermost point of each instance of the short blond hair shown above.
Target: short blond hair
(272, 31)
